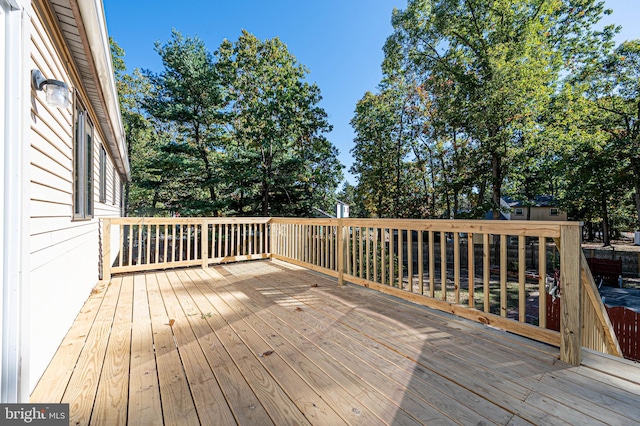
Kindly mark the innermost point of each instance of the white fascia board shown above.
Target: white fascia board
(94, 21)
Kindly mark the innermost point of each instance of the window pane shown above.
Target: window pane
(83, 165)
(89, 165)
(103, 175)
(78, 201)
(113, 201)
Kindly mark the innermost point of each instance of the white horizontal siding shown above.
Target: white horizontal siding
(64, 253)
(54, 245)
(59, 287)
(44, 225)
(43, 175)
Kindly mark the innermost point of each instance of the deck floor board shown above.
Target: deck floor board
(326, 373)
(266, 342)
(323, 340)
(144, 390)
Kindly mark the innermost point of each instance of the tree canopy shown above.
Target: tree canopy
(485, 99)
(235, 132)
(479, 100)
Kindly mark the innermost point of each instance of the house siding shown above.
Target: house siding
(540, 213)
(64, 253)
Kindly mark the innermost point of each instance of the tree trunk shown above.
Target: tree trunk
(425, 183)
(635, 167)
(496, 183)
(481, 191)
(265, 197)
(606, 241)
(396, 198)
(456, 203)
(267, 161)
(154, 202)
(433, 185)
(127, 188)
(445, 194)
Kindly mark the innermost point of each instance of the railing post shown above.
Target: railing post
(342, 250)
(204, 243)
(570, 302)
(106, 249)
(271, 236)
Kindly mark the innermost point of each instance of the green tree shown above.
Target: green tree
(144, 191)
(188, 96)
(614, 86)
(492, 66)
(375, 154)
(278, 129)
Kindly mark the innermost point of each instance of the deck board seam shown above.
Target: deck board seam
(202, 349)
(230, 356)
(355, 330)
(274, 350)
(302, 337)
(435, 371)
(103, 354)
(234, 357)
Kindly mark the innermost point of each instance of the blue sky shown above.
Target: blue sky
(340, 41)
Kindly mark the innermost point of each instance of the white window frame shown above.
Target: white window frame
(121, 195)
(83, 174)
(553, 211)
(519, 211)
(115, 191)
(103, 175)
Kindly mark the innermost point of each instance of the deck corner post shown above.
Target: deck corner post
(270, 237)
(106, 249)
(204, 244)
(571, 303)
(342, 250)
(276, 239)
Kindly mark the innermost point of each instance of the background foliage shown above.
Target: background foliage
(486, 99)
(234, 132)
(480, 99)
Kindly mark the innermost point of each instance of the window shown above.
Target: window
(553, 211)
(103, 175)
(121, 194)
(519, 211)
(82, 165)
(115, 192)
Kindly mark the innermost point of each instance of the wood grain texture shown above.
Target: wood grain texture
(144, 406)
(81, 389)
(270, 342)
(110, 406)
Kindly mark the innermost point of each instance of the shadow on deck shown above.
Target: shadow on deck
(267, 342)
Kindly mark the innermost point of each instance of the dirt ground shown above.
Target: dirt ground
(617, 245)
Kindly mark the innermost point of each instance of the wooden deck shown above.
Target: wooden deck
(262, 342)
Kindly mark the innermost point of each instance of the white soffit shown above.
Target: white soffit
(83, 27)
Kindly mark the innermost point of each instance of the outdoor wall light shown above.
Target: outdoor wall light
(56, 90)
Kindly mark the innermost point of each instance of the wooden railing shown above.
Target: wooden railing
(489, 271)
(157, 243)
(599, 331)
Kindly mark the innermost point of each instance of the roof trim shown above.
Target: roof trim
(99, 78)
